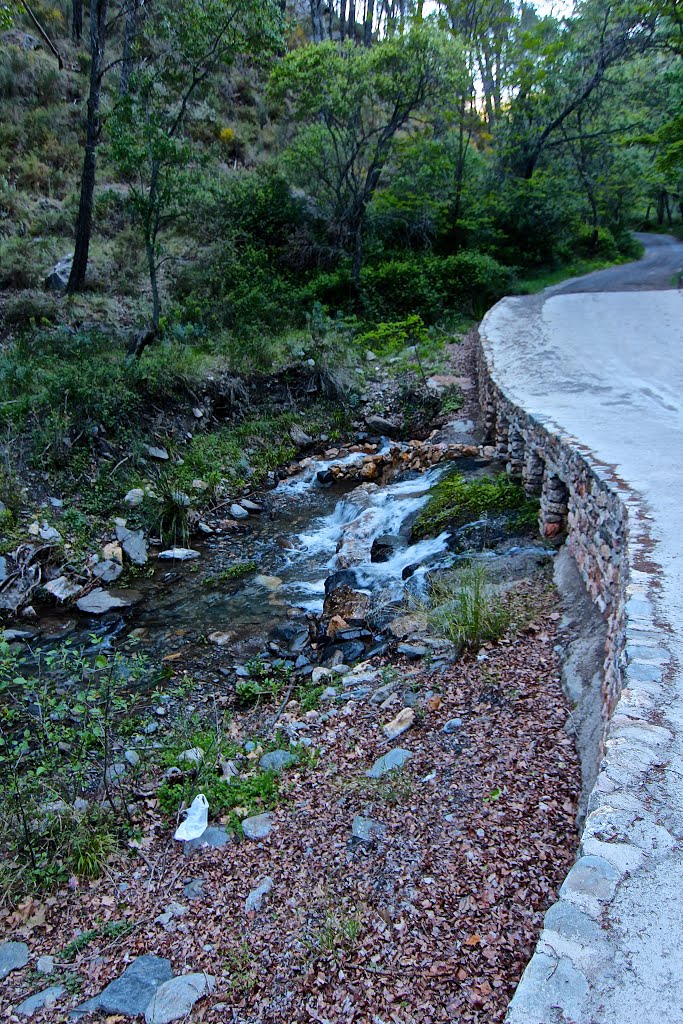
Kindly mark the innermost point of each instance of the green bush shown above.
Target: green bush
(23, 262)
(474, 281)
(467, 610)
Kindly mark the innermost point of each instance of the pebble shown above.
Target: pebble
(452, 725)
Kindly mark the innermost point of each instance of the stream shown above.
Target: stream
(306, 533)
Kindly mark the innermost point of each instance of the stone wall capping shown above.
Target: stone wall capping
(580, 964)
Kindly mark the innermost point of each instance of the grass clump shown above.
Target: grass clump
(467, 610)
(456, 500)
(235, 572)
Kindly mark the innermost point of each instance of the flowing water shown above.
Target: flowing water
(310, 532)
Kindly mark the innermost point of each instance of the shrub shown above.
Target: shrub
(22, 262)
(474, 281)
(31, 308)
(390, 338)
(402, 286)
(467, 610)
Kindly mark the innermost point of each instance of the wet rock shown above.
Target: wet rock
(277, 760)
(131, 993)
(11, 635)
(258, 826)
(63, 588)
(133, 544)
(300, 438)
(385, 546)
(351, 651)
(13, 956)
(366, 830)
(237, 512)
(396, 758)
(107, 571)
(380, 425)
(40, 1000)
(325, 476)
(351, 605)
(58, 278)
(345, 577)
(156, 452)
(254, 900)
(452, 725)
(403, 721)
(99, 601)
(135, 497)
(179, 554)
(213, 837)
(175, 998)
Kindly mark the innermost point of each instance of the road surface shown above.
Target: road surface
(601, 358)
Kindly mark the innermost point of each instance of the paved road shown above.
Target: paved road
(602, 359)
(661, 264)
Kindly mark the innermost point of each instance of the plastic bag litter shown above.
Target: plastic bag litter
(196, 821)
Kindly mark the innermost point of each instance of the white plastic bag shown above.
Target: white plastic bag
(196, 820)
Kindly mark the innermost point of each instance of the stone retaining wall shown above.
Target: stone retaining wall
(585, 503)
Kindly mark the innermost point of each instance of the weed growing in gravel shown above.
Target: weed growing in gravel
(336, 934)
(239, 966)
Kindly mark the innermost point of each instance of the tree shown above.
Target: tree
(351, 104)
(192, 40)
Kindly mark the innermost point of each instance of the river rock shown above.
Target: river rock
(350, 605)
(299, 436)
(133, 543)
(403, 721)
(277, 760)
(58, 278)
(404, 625)
(107, 571)
(40, 1000)
(396, 758)
(386, 545)
(63, 588)
(13, 955)
(255, 898)
(380, 425)
(179, 554)
(238, 512)
(258, 826)
(130, 994)
(156, 452)
(175, 998)
(366, 830)
(251, 506)
(99, 601)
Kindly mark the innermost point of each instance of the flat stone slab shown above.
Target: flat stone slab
(99, 602)
(179, 554)
(175, 998)
(41, 1000)
(396, 758)
(259, 826)
(131, 993)
(133, 543)
(13, 955)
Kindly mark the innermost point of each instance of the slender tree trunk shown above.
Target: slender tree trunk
(342, 19)
(369, 20)
(352, 20)
(130, 32)
(317, 20)
(76, 20)
(98, 21)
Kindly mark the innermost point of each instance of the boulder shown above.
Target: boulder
(351, 605)
(58, 278)
(299, 436)
(385, 546)
(380, 425)
(130, 994)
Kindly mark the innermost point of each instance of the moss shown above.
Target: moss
(235, 572)
(456, 501)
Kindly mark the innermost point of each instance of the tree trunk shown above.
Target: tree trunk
(317, 21)
(98, 21)
(76, 20)
(369, 20)
(130, 32)
(342, 19)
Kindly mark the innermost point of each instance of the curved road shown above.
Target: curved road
(601, 358)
